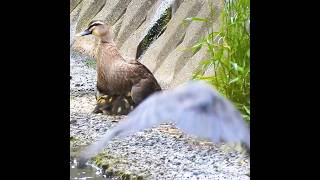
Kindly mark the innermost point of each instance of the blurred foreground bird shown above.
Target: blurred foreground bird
(195, 108)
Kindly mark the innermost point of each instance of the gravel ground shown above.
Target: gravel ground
(158, 153)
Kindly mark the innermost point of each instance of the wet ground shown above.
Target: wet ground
(90, 172)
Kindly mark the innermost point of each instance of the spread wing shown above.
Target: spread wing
(194, 108)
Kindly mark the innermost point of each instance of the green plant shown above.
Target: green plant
(91, 63)
(229, 51)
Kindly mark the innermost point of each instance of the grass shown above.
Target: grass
(229, 50)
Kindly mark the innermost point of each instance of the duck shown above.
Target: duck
(119, 77)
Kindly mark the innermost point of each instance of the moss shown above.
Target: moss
(109, 172)
(99, 160)
(137, 177)
(110, 166)
(123, 175)
(158, 28)
(91, 63)
(105, 166)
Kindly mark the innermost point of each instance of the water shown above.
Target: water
(90, 172)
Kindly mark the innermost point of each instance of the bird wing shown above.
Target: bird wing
(139, 74)
(194, 108)
(220, 122)
(137, 67)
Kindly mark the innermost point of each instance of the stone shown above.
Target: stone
(89, 10)
(176, 60)
(74, 4)
(129, 48)
(112, 11)
(135, 15)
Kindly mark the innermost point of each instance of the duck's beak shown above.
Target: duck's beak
(84, 33)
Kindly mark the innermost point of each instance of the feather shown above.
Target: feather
(195, 108)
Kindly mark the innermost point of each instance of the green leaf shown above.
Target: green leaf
(213, 35)
(234, 80)
(246, 109)
(227, 47)
(236, 67)
(205, 62)
(196, 19)
(196, 47)
(228, 51)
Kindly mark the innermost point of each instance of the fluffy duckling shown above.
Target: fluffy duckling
(113, 105)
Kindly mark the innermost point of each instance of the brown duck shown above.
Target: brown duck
(119, 77)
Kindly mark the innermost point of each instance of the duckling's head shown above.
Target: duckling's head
(97, 28)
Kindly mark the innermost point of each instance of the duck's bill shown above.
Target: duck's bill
(83, 33)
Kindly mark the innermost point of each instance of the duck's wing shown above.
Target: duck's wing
(143, 81)
(194, 108)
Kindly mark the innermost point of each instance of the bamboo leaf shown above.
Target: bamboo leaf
(246, 109)
(196, 19)
(234, 80)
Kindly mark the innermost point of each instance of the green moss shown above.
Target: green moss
(109, 172)
(123, 175)
(110, 165)
(158, 28)
(91, 63)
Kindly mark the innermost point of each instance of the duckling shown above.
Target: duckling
(103, 105)
(113, 105)
(118, 76)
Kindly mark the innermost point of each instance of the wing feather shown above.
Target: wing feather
(195, 108)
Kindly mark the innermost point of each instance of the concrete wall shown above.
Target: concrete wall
(167, 57)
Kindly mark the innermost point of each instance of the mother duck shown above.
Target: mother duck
(118, 77)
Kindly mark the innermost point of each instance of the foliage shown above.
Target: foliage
(91, 63)
(229, 50)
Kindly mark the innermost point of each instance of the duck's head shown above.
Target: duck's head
(96, 28)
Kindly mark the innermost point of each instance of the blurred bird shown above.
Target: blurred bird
(195, 108)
